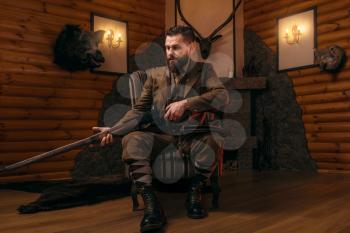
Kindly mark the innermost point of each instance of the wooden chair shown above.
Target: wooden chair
(172, 162)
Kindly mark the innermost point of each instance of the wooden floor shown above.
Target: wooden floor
(251, 202)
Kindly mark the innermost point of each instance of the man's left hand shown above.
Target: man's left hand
(174, 111)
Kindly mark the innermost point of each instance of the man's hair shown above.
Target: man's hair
(186, 32)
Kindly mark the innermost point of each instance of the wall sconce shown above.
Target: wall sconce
(111, 41)
(294, 36)
(114, 45)
(302, 33)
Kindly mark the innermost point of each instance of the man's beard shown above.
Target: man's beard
(177, 64)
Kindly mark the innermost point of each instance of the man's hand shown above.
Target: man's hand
(105, 138)
(174, 111)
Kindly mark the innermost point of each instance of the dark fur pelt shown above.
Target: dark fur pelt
(98, 175)
(78, 193)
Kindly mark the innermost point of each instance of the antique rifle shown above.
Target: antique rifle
(117, 130)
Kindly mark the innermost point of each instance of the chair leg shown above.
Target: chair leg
(133, 194)
(215, 188)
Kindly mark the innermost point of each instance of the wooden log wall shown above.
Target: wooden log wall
(324, 98)
(42, 106)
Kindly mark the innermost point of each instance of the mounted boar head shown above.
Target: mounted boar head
(330, 59)
(205, 43)
(76, 49)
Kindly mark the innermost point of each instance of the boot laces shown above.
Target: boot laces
(196, 193)
(149, 201)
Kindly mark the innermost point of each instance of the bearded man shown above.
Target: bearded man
(171, 95)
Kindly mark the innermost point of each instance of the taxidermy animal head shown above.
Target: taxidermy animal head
(330, 59)
(77, 49)
(205, 42)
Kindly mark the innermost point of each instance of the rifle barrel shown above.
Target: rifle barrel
(89, 140)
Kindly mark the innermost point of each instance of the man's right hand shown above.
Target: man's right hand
(106, 138)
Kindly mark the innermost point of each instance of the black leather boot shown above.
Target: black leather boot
(154, 217)
(194, 204)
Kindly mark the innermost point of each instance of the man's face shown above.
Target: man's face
(177, 51)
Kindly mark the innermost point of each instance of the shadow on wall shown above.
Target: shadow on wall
(279, 127)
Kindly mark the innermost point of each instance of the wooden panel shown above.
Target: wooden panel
(27, 146)
(329, 137)
(333, 166)
(11, 90)
(41, 105)
(12, 157)
(43, 167)
(331, 157)
(34, 102)
(43, 135)
(328, 147)
(326, 117)
(327, 127)
(65, 175)
(323, 97)
(326, 107)
(62, 82)
(44, 114)
(46, 124)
